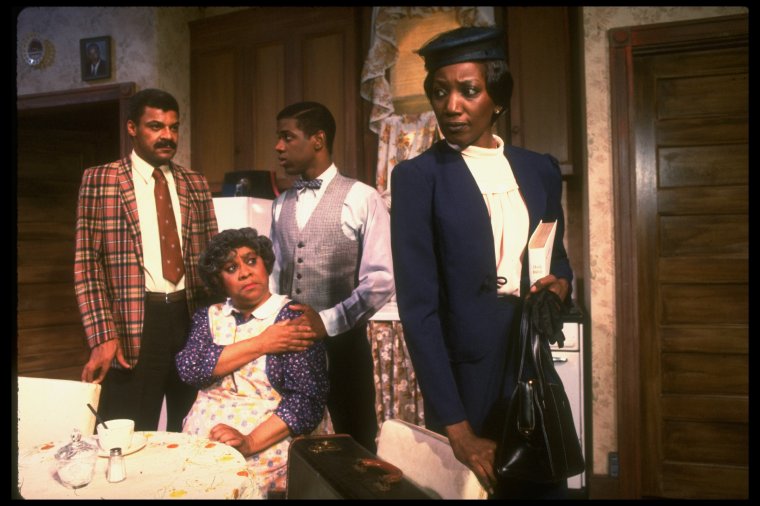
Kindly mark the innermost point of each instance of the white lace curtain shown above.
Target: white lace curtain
(401, 136)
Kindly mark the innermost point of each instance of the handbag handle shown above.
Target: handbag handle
(390, 473)
(525, 328)
(530, 347)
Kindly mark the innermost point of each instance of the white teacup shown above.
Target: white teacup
(117, 435)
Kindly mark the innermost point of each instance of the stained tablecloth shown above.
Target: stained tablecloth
(172, 465)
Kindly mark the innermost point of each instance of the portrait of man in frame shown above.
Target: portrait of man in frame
(95, 54)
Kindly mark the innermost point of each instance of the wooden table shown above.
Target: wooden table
(171, 465)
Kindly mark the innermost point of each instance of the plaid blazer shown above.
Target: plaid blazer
(108, 266)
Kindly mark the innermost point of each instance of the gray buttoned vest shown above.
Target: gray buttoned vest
(319, 263)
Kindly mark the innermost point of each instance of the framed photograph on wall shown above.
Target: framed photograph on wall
(95, 54)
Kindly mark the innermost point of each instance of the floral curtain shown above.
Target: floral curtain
(397, 393)
(401, 138)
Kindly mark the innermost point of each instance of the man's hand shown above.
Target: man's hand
(475, 452)
(101, 356)
(315, 321)
(288, 336)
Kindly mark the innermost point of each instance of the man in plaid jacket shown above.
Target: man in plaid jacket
(134, 319)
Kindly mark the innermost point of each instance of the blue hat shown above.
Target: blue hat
(468, 43)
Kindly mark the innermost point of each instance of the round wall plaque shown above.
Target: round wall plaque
(36, 52)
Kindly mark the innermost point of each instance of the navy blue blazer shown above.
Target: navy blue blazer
(445, 274)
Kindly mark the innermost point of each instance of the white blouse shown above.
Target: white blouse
(505, 204)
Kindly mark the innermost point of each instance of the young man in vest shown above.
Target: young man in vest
(331, 238)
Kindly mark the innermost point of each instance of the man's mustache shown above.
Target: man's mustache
(165, 144)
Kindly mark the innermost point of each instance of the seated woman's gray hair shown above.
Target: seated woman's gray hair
(220, 249)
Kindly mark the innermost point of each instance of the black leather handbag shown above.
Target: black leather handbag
(539, 442)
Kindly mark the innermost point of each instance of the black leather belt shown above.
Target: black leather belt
(166, 298)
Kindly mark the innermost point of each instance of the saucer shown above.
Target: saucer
(138, 443)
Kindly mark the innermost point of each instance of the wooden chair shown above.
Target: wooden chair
(427, 460)
(49, 409)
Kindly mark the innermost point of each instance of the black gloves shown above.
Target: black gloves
(546, 316)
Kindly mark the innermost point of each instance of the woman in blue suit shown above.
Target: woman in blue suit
(461, 215)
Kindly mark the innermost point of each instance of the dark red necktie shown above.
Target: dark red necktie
(171, 254)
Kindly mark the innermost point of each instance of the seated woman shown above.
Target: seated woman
(262, 376)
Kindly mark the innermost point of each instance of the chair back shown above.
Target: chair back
(49, 409)
(427, 460)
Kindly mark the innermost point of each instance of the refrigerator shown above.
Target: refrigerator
(239, 212)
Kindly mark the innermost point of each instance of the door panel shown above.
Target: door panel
(706, 338)
(269, 81)
(705, 407)
(704, 373)
(715, 482)
(214, 117)
(703, 165)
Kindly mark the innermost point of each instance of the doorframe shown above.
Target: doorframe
(120, 92)
(625, 43)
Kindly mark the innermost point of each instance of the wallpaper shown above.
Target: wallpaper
(150, 46)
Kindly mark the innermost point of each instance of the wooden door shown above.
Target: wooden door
(59, 135)
(690, 231)
(51, 339)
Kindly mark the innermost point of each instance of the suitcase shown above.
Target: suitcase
(335, 466)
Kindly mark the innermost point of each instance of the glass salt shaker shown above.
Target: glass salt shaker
(116, 471)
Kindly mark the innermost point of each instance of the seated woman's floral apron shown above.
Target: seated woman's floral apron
(243, 400)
